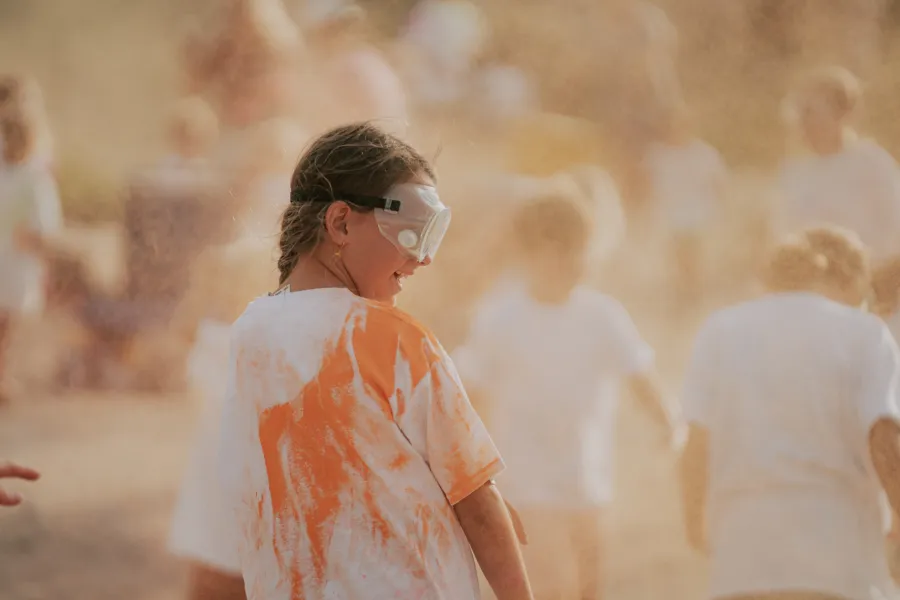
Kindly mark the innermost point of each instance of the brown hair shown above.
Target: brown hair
(358, 158)
(552, 222)
(826, 259)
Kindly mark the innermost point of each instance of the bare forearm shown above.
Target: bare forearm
(489, 529)
(693, 471)
(884, 446)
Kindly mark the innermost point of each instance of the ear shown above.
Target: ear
(336, 222)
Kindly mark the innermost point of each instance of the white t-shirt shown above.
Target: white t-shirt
(552, 374)
(347, 441)
(858, 189)
(202, 528)
(789, 386)
(687, 183)
(28, 199)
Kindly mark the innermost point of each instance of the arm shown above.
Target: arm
(489, 528)
(649, 395)
(206, 583)
(693, 472)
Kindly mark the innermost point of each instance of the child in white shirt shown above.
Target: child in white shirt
(30, 211)
(842, 180)
(792, 405)
(687, 182)
(545, 360)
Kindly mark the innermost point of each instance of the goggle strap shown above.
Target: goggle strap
(388, 204)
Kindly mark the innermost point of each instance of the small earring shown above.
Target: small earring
(337, 253)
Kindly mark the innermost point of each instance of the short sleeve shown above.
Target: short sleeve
(46, 216)
(880, 379)
(458, 449)
(698, 394)
(625, 351)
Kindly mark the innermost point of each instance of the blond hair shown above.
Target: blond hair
(836, 85)
(830, 260)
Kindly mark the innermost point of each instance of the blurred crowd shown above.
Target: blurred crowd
(563, 183)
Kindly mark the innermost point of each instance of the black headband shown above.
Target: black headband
(298, 196)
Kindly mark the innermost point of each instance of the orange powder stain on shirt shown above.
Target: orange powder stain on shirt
(317, 429)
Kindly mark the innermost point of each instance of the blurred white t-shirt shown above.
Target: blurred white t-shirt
(686, 184)
(789, 386)
(858, 189)
(202, 529)
(552, 375)
(28, 200)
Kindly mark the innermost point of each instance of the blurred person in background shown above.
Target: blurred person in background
(30, 214)
(173, 209)
(624, 77)
(791, 400)
(544, 362)
(328, 429)
(250, 69)
(687, 192)
(357, 81)
(440, 47)
(841, 180)
(9, 470)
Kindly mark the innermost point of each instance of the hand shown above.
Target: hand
(517, 523)
(10, 470)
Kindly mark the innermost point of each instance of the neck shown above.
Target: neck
(831, 143)
(312, 273)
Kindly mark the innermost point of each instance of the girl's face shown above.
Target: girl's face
(375, 264)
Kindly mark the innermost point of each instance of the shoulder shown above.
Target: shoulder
(388, 323)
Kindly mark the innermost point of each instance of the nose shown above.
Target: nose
(425, 261)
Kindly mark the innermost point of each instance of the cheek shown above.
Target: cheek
(372, 265)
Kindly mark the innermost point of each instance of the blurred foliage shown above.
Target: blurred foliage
(89, 192)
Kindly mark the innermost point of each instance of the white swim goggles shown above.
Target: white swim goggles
(411, 216)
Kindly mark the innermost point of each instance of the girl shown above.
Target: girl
(546, 357)
(358, 466)
(791, 400)
(843, 180)
(30, 212)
